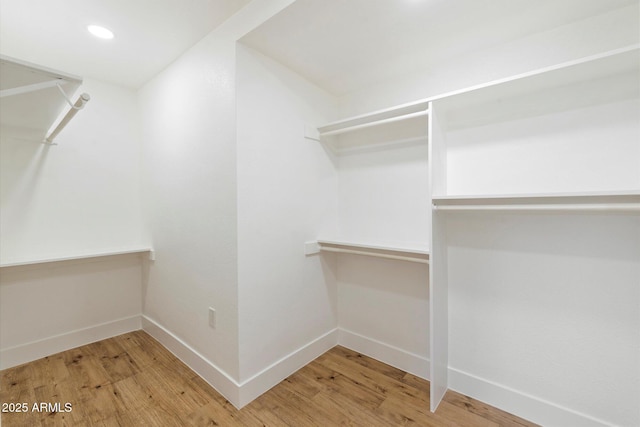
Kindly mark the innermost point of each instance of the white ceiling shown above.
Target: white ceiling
(341, 45)
(344, 45)
(149, 34)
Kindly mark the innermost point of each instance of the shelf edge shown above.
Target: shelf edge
(80, 257)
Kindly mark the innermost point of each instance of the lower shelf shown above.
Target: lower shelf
(411, 253)
(16, 263)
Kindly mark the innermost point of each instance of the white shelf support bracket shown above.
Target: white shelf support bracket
(311, 248)
(311, 132)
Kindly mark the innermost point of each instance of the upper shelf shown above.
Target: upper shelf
(30, 98)
(627, 201)
(605, 78)
(376, 118)
(624, 60)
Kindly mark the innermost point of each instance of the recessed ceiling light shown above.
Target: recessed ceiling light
(100, 32)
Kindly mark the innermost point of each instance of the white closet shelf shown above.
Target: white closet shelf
(376, 118)
(34, 98)
(608, 63)
(600, 201)
(131, 251)
(408, 252)
(622, 61)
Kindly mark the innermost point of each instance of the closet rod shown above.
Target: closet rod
(374, 254)
(375, 123)
(619, 207)
(79, 104)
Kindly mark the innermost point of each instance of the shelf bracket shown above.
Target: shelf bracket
(311, 132)
(311, 248)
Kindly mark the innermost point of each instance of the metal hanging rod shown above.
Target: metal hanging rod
(75, 107)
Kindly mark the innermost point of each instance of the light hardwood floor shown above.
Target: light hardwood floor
(131, 380)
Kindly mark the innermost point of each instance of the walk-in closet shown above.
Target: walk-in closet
(449, 187)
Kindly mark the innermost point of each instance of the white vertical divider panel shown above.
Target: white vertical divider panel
(437, 152)
(438, 286)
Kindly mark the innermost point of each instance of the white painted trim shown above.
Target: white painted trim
(524, 405)
(394, 356)
(208, 371)
(239, 394)
(278, 371)
(34, 350)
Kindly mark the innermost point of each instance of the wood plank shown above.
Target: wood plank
(484, 410)
(132, 380)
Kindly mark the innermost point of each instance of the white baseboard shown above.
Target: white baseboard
(34, 350)
(212, 374)
(518, 403)
(239, 394)
(396, 357)
(278, 371)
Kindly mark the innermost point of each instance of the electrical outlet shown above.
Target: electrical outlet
(212, 317)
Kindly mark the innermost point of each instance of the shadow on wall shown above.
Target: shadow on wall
(22, 158)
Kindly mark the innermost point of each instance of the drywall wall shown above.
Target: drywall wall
(188, 115)
(80, 196)
(52, 307)
(287, 195)
(548, 305)
(383, 310)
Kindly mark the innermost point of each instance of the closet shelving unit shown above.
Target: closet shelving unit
(380, 130)
(571, 134)
(34, 99)
(589, 105)
(35, 106)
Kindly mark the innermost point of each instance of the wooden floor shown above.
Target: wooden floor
(131, 380)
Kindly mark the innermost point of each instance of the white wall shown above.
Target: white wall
(383, 310)
(383, 197)
(549, 305)
(384, 194)
(79, 197)
(287, 195)
(567, 148)
(190, 189)
(52, 307)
